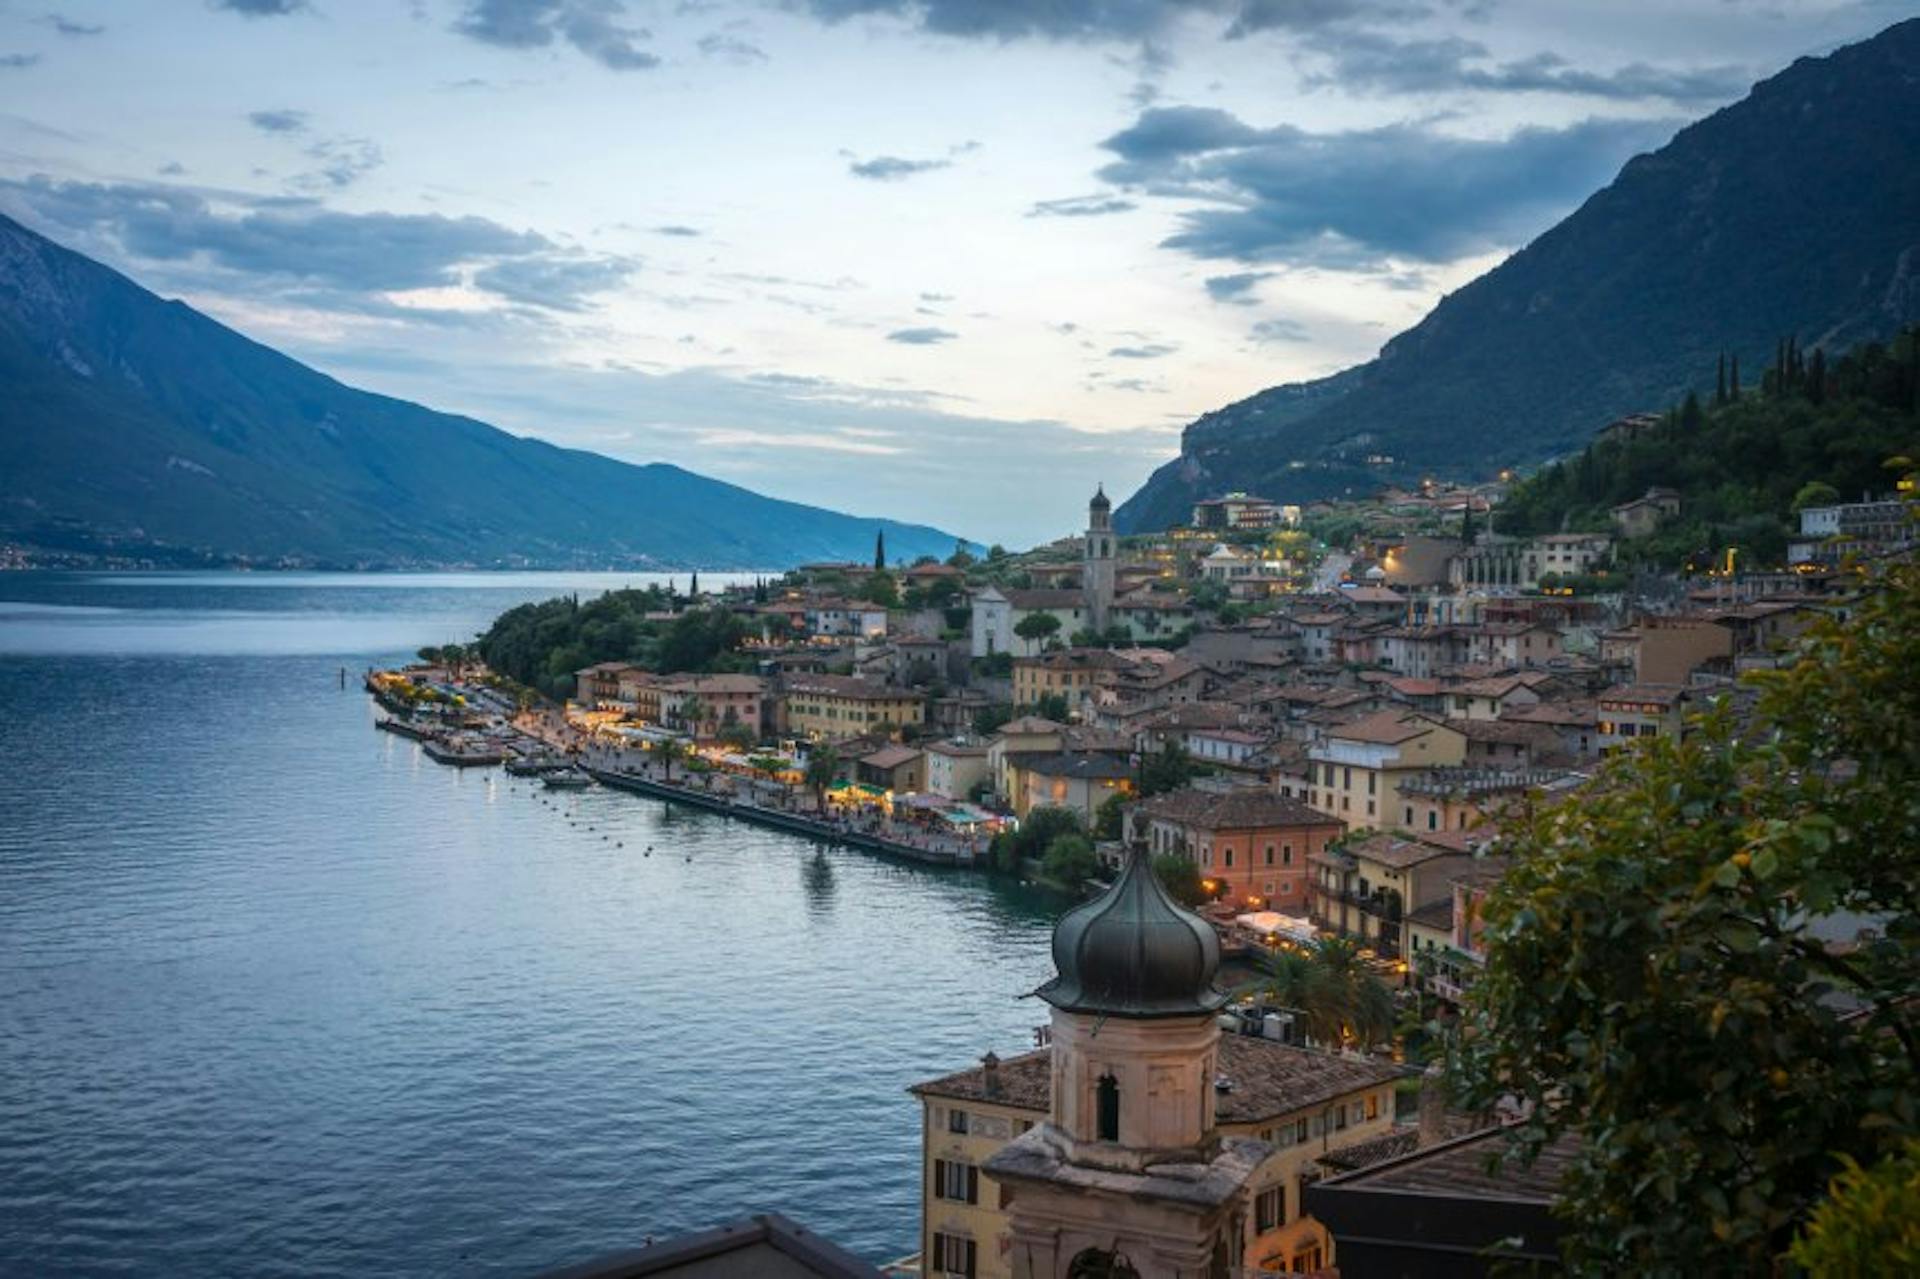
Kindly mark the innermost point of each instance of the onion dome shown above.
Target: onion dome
(1134, 952)
(1100, 499)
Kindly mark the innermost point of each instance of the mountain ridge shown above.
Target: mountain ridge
(1632, 296)
(137, 428)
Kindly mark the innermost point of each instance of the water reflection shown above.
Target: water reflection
(816, 881)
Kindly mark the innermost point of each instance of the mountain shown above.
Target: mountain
(138, 428)
(1795, 211)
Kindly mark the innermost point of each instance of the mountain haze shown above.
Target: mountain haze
(1795, 211)
(137, 427)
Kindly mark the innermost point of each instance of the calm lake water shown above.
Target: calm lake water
(280, 996)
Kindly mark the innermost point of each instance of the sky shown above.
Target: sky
(951, 261)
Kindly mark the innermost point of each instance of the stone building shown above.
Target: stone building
(1102, 554)
(1142, 1141)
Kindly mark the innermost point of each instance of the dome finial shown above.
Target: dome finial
(1134, 952)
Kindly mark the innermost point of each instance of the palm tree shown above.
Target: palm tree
(1344, 1001)
(667, 750)
(823, 767)
(1353, 997)
(693, 713)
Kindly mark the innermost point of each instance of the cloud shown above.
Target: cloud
(1237, 288)
(556, 283)
(922, 337)
(68, 27)
(278, 121)
(1368, 61)
(1358, 198)
(343, 161)
(891, 168)
(18, 61)
(593, 27)
(1145, 351)
(1298, 16)
(261, 8)
(1080, 206)
(675, 229)
(731, 48)
(1016, 19)
(283, 242)
(1277, 330)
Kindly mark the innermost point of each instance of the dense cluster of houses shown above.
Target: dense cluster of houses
(1357, 744)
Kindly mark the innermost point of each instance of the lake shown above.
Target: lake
(280, 996)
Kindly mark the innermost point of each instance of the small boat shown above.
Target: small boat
(567, 779)
(534, 765)
(462, 752)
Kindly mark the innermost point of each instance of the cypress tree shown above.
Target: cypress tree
(1466, 525)
(1733, 378)
(880, 551)
(1690, 414)
(1720, 382)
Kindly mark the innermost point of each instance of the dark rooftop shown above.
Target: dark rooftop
(763, 1246)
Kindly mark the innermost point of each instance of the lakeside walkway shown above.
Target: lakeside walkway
(761, 801)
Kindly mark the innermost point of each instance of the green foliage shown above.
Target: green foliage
(1658, 977)
(1815, 493)
(1070, 860)
(988, 719)
(1345, 1002)
(1209, 595)
(1034, 837)
(1036, 626)
(994, 664)
(1869, 1224)
(881, 589)
(542, 645)
(667, 752)
(823, 770)
(1051, 706)
(1180, 876)
(1171, 769)
(1110, 817)
(1742, 468)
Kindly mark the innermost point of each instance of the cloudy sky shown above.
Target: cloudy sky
(947, 260)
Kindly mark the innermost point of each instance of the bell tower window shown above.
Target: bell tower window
(1107, 1108)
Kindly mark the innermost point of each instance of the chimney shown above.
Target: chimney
(990, 1074)
(1433, 1107)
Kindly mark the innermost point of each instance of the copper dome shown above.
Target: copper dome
(1134, 952)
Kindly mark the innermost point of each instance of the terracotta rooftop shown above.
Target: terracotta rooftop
(1244, 809)
(1397, 852)
(847, 686)
(890, 757)
(1078, 766)
(1030, 724)
(1384, 728)
(1270, 1080)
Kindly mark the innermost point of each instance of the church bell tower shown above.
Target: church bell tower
(1129, 1177)
(1097, 570)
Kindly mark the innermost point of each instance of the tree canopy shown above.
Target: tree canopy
(1673, 972)
(1743, 466)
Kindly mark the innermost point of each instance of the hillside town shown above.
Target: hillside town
(1298, 731)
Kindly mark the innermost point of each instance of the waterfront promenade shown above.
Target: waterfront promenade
(762, 801)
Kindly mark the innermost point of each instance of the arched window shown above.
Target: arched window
(1098, 1263)
(1107, 1108)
